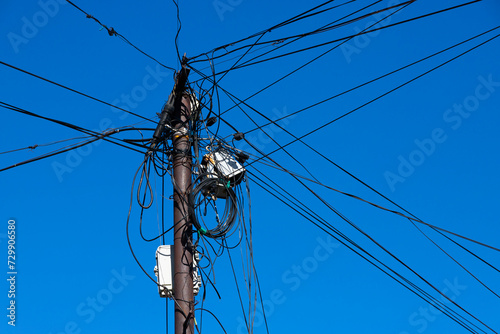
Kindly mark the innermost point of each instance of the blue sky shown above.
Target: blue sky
(430, 146)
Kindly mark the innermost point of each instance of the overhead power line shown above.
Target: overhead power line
(74, 90)
(323, 29)
(276, 121)
(306, 212)
(51, 154)
(380, 96)
(249, 63)
(280, 25)
(95, 134)
(112, 32)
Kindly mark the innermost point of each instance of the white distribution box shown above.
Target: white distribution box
(164, 269)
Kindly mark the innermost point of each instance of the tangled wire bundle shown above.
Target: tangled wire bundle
(206, 193)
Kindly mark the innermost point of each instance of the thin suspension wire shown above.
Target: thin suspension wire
(112, 32)
(74, 91)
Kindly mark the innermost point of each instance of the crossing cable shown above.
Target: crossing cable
(275, 122)
(329, 160)
(329, 229)
(257, 49)
(75, 127)
(33, 147)
(410, 216)
(306, 64)
(467, 250)
(300, 138)
(112, 32)
(74, 91)
(232, 97)
(375, 99)
(351, 36)
(53, 153)
(280, 25)
(454, 260)
(282, 45)
(328, 27)
(329, 206)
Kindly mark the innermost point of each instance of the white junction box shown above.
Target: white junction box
(222, 166)
(164, 271)
(224, 163)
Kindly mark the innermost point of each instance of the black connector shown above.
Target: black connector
(241, 157)
(239, 136)
(211, 121)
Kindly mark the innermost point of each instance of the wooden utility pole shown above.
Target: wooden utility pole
(183, 249)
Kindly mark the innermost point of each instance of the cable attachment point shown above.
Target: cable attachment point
(238, 136)
(211, 121)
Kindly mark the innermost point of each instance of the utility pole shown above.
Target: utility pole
(183, 245)
(177, 115)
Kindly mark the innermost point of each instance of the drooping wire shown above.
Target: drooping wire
(112, 32)
(74, 91)
(379, 97)
(322, 224)
(276, 121)
(294, 19)
(367, 31)
(454, 260)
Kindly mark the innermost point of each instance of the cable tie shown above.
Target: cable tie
(202, 230)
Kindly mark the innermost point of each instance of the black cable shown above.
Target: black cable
(238, 289)
(455, 260)
(326, 227)
(363, 232)
(211, 313)
(75, 127)
(72, 147)
(410, 216)
(73, 90)
(112, 32)
(325, 28)
(389, 252)
(378, 97)
(302, 66)
(275, 122)
(352, 36)
(207, 188)
(33, 147)
(279, 25)
(470, 252)
(179, 26)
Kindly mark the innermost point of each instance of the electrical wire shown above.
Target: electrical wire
(322, 224)
(276, 121)
(294, 19)
(300, 67)
(33, 147)
(78, 128)
(351, 36)
(378, 97)
(112, 32)
(74, 90)
(53, 153)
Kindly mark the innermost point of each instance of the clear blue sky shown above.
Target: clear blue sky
(431, 146)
